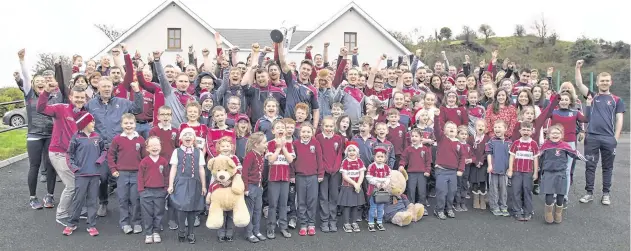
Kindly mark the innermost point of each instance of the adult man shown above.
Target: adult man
(603, 132)
(524, 82)
(299, 91)
(107, 112)
(64, 126)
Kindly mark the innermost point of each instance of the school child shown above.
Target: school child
(124, 156)
(378, 177)
(220, 130)
(187, 185)
(554, 159)
(449, 165)
(169, 141)
(477, 170)
(430, 105)
(475, 111)
(451, 110)
(153, 179)
(418, 159)
(234, 106)
(497, 149)
(366, 142)
(337, 110)
(291, 134)
(523, 166)
(242, 131)
(307, 172)
(86, 151)
(252, 178)
(193, 110)
(280, 154)
(351, 192)
(343, 127)
(396, 134)
(465, 149)
(264, 124)
(225, 148)
(405, 117)
(301, 113)
(207, 102)
(332, 153)
(381, 129)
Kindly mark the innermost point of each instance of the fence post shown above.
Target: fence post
(591, 81)
(558, 80)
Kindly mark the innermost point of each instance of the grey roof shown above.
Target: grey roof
(244, 38)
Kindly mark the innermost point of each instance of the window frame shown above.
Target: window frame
(351, 43)
(177, 40)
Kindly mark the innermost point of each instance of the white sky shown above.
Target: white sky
(66, 26)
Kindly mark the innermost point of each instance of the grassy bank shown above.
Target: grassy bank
(12, 143)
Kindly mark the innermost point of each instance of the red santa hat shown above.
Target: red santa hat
(243, 117)
(351, 144)
(187, 131)
(380, 149)
(82, 119)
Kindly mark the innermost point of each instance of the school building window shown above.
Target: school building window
(174, 37)
(350, 40)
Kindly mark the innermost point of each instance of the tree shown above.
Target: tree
(109, 31)
(541, 28)
(445, 33)
(520, 31)
(585, 49)
(467, 34)
(402, 38)
(47, 62)
(486, 31)
(552, 39)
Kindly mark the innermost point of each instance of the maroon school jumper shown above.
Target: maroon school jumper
(396, 137)
(125, 154)
(153, 174)
(308, 160)
(332, 152)
(448, 154)
(169, 139)
(252, 169)
(418, 158)
(457, 114)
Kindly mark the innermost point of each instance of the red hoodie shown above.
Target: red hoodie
(64, 125)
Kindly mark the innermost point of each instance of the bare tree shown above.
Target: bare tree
(438, 36)
(520, 31)
(46, 61)
(541, 28)
(467, 34)
(486, 31)
(109, 31)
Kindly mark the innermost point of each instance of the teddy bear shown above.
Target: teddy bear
(226, 193)
(400, 211)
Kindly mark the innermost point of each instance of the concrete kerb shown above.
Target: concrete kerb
(9, 161)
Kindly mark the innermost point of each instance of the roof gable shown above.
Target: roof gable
(362, 13)
(244, 38)
(153, 14)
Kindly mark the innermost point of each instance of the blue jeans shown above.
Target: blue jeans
(143, 129)
(375, 209)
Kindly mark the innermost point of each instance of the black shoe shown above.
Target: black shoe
(347, 228)
(260, 237)
(380, 227)
(270, 234)
(371, 228)
(221, 239)
(253, 239)
(333, 227)
(325, 227)
(181, 238)
(229, 239)
(535, 189)
(432, 194)
(191, 238)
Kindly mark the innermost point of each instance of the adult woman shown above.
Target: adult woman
(539, 97)
(524, 98)
(488, 95)
(501, 109)
(436, 87)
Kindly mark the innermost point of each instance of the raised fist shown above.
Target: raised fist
(326, 44)
(256, 47)
(21, 54)
(579, 63)
(156, 55)
(267, 49)
(205, 52)
(309, 47)
(123, 46)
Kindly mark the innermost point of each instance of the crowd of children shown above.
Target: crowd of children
(312, 138)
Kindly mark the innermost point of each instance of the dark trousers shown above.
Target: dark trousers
(329, 192)
(128, 198)
(417, 187)
(184, 216)
(446, 186)
(107, 180)
(86, 193)
(38, 156)
(254, 201)
(597, 146)
(152, 203)
(227, 230)
(307, 192)
(461, 194)
(522, 188)
(277, 193)
(292, 209)
(350, 214)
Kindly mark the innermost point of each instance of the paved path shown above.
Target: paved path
(585, 227)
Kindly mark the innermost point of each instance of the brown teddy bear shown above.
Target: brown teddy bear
(400, 211)
(226, 194)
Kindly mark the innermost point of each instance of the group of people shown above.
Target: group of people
(316, 136)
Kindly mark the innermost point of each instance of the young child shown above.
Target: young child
(465, 149)
(207, 103)
(554, 158)
(396, 133)
(187, 176)
(430, 105)
(497, 149)
(301, 112)
(366, 142)
(477, 170)
(418, 159)
(337, 110)
(220, 130)
(405, 117)
(280, 154)
(169, 141)
(264, 124)
(307, 172)
(351, 192)
(451, 110)
(291, 134)
(378, 177)
(449, 165)
(252, 178)
(193, 110)
(234, 106)
(381, 129)
(475, 111)
(153, 179)
(124, 156)
(226, 148)
(523, 166)
(332, 152)
(86, 153)
(343, 127)
(242, 131)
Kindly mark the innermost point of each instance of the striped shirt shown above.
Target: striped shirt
(525, 153)
(279, 169)
(352, 169)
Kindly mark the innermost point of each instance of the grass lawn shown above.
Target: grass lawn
(12, 143)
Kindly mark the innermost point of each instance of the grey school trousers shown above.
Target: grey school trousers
(307, 191)
(497, 191)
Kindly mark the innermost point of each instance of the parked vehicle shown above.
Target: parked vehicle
(15, 117)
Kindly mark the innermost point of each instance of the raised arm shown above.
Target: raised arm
(354, 60)
(370, 83)
(116, 51)
(61, 81)
(579, 78)
(129, 69)
(150, 87)
(162, 78)
(339, 73)
(27, 85)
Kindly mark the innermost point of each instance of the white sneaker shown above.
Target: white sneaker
(127, 229)
(137, 229)
(156, 238)
(148, 239)
(586, 198)
(606, 200)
